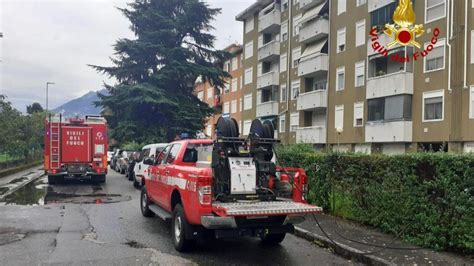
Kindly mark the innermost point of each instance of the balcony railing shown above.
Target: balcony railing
(268, 79)
(393, 131)
(269, 51)
(312, 100)
(314, 135)
(376, 4)
(312, 64)
(269, 22)
(314, 30)
(307, 4)
(267, 109)
(391, 84)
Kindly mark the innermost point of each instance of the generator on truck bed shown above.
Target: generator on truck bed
(75, 148)
(227, 187)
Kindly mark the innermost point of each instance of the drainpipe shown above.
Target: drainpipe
(449, 28)
(327, 79)
(466, 8)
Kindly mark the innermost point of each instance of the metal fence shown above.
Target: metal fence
(11, 160)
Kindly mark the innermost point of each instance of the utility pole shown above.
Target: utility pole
(47, 91)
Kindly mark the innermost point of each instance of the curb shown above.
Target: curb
(16, 188)
(341, 249)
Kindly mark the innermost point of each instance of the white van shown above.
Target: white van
(147, 156)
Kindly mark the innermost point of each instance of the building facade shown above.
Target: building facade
(310, 67)
(227, 100)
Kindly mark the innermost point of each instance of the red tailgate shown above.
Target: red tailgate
(263, 208)
(76, 144)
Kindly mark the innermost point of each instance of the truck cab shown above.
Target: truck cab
(185, 186)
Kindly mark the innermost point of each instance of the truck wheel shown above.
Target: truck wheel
(179, 226)
(144, 203)
(273, 239)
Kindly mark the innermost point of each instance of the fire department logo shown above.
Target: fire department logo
(404, 31)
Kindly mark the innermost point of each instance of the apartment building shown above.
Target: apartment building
(310, 67)
(228, 100)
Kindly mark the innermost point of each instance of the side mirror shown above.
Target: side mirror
(148, 161)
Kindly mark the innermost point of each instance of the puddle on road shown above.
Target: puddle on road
(79, 192)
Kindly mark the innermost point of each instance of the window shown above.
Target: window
(341, 6)
(296, 25)
(248, 50)
(341, 40)
(472, 45)
(434, 9)
(294, 121)
(248, 76)
(296, 54)
(200, 95)
(226, 108)
(358, 114)
(339, 117)
(241, 102)
(248, 101)
(281, 124)
(233, 106)
(391, 108)
(284, 5)
(360, 33)
(173, 153)
(433, 106)
(99, 148)
(284, 31)
(249, 25)
(295, 89)
(435, 59)
(383, 15)
(162, 156)
(359, 74)
(209, 93)
(283, 93)
(226, 86)
(234, 84)
(340, 79)
(471, 103)
(283, 62)
(361, 2)
(246, 127)
(235, 63)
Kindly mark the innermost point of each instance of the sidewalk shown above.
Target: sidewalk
(9, 184)
(411, 255)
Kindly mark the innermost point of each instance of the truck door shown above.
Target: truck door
(76, 144)
(170, 176)
(156, 177)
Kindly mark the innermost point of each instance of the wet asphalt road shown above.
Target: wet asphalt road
(80, 223)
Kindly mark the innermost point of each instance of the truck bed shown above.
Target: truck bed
(263, 208)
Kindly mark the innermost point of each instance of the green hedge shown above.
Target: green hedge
(425, 198)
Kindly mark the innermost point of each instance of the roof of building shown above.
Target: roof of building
(254, 8)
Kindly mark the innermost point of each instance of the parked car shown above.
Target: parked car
(113, 160)
(132, 161)
(147, 157)
(122, 161)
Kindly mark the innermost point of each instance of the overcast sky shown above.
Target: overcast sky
(54, 40)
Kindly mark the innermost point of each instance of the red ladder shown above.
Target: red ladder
(55, 133)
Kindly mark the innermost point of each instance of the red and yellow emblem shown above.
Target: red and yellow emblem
(404, 31)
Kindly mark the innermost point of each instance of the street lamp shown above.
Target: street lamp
(47, 90)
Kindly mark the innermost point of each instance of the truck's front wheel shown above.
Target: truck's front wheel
(144, 203)
(179, 225)
(273, 239)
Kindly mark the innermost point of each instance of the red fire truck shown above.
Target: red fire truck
(75, 148)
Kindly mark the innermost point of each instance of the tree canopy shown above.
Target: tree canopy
(153, 98)
(34, 108)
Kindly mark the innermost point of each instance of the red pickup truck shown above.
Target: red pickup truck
(184, 186)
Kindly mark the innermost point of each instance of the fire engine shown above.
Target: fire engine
(227, 187)
(75, 148)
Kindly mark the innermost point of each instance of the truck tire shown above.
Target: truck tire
(144, 203)
(179, 225)
(273, 239)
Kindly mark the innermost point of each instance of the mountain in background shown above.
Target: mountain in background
(81, 106)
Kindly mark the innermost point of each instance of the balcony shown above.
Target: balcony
(390, 84)
(268, 79)
(269, 22)
(267, 109)
(314, 30)
(383, 132)
(307, 4)
(312, 100)
(376, 4)
(312, 135)
(312, 64)
(269, 51)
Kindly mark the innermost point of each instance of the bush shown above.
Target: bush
(425, 198)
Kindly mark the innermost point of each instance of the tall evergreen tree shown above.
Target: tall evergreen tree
(153, 99)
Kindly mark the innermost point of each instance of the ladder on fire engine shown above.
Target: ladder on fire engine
(55, 141)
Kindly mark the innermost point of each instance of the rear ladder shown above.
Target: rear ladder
(55, 142)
